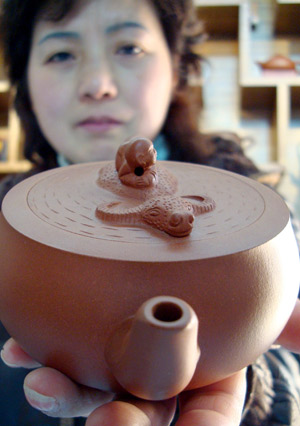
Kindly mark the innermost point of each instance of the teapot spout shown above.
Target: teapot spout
(154, 354)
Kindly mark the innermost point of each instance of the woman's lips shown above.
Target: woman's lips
(99, 125)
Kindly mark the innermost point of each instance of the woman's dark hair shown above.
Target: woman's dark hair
(182, 30)
(17, 23)
(180, 27)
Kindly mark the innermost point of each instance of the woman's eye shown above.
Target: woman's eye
(130, 49)
(60, 57)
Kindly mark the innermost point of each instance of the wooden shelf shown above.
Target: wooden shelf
(220, 21)
(10, 131)
(7, 167)
(272, 93)
(237, 96)
(4, 86)
(285, 20)
(288, 2)
(287, 17)
(218, 3)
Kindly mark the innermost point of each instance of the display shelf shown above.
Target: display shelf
(7, 167)
(238, 96)
(11, 135)
(287, 17)
(221, 21)
(218, 3)
(276, 31)
(279, 39)
(4, 86)
(11, 159)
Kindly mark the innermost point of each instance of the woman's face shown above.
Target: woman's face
(101, 75)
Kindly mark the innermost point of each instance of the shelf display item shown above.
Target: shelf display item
(280, 64)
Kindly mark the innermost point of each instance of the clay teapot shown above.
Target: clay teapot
(279, 63)
(143, 276)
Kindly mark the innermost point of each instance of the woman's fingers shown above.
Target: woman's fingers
(290, 336)
(14, 356)
(133, 412)
(217, 404)
(56, 395)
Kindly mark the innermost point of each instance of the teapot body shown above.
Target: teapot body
(63, 304)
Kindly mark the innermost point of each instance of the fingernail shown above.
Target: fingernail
(40, 401)
(9, 364)
(9, 354)
(2, 354)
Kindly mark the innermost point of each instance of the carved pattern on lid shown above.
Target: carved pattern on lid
(137, 176)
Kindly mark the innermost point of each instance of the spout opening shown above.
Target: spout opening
(167, 312)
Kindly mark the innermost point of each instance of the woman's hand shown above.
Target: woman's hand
(218, 404)
(56, 395)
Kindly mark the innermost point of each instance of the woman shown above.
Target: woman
(88, 75)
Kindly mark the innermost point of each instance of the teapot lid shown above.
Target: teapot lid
(60, 208)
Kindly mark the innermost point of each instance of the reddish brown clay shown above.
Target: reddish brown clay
(162, 208)
(162, 325)
(279, 62)
(71, 282)
(135, 163)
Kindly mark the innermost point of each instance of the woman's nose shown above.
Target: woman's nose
(97, 82)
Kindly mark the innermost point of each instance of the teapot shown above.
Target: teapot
(145, 277)
(279, 63)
